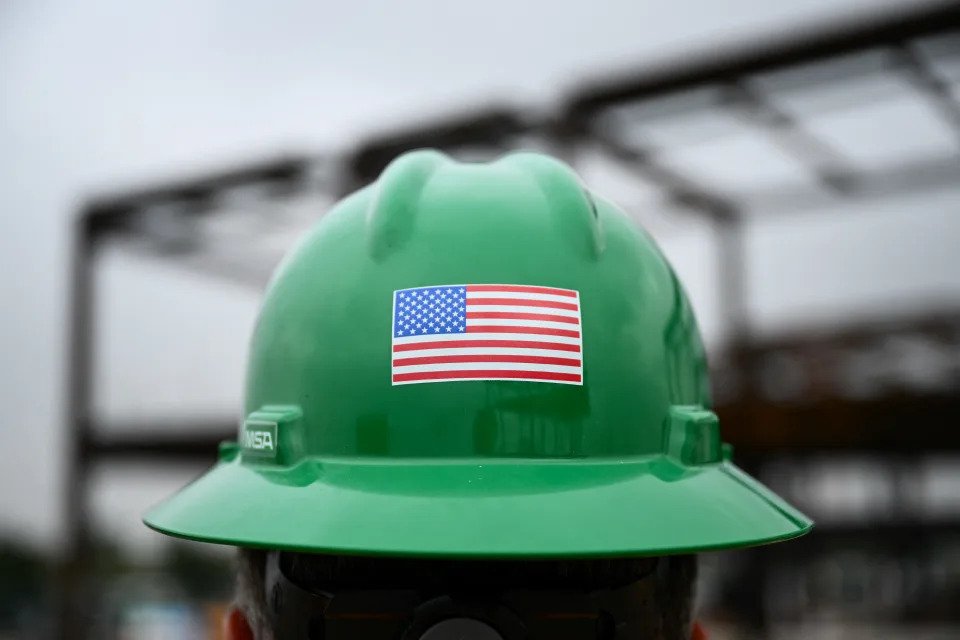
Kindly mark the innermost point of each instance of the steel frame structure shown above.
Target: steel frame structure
(593, 119)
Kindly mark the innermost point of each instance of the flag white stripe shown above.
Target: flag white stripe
(543, 324)
(486, 351)
(503, 308)
(570, 382)
(520, 295)
(454, 337)
(486, 366)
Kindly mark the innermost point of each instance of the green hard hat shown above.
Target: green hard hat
(477, 360)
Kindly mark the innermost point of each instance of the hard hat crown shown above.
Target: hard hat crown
(588, 293)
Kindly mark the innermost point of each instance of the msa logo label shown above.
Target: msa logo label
(260, 439)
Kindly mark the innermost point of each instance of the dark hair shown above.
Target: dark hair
(666, 608)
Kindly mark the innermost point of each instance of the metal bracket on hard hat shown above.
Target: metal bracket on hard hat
(693, 436)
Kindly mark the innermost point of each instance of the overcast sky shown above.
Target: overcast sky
(108, 95)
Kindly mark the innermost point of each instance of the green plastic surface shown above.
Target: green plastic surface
(628, 463)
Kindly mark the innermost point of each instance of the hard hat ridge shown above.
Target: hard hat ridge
(393, 210)
(572, 204)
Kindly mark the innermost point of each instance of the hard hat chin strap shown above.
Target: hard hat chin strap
(455, 611)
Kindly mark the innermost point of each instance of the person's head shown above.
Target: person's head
(649, 598)
(475, 390)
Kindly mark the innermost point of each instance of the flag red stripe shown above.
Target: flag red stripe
(506, 315)
(496, 373)
(540, 331)
(521, 289)
(563, 362)
(520, 302)
(479, 344)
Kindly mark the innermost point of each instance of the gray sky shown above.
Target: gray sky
(107, 95)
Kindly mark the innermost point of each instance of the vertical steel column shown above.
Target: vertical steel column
(732, 276)
(71, 620)
(734, 300)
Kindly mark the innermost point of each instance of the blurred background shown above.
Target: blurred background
(798, 162)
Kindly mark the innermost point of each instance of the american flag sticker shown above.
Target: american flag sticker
(486, 332)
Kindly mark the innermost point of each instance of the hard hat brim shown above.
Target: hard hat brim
(480, 508)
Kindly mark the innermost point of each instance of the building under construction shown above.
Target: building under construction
(879, 395)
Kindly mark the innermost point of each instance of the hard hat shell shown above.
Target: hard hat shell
(612, 451)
